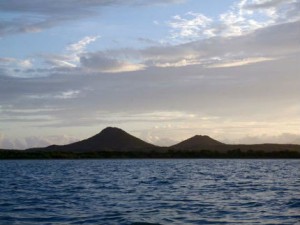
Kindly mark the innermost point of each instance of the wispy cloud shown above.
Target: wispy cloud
(192, 26)
(245, 16)
(80, 46)
(62, 95)
(242, 62)
(72, 54)
(35, 16)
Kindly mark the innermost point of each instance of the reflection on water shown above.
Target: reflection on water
(150, 192)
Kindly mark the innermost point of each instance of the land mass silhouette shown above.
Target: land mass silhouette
(109, 139)
(114, 142)
(197, 141)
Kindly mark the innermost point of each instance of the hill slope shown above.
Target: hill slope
(197, 142)
(109, 139)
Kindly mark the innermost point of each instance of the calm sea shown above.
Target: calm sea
(150, 192)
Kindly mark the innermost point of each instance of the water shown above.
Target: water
(137, 192)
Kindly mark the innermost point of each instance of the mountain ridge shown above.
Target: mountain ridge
(115, 143)
(116, 139)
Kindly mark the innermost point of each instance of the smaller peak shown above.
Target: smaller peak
(197, 142)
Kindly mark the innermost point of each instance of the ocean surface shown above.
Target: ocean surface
(136, 192)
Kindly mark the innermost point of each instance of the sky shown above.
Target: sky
(162, 70)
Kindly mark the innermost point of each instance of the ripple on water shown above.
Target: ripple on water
(137, 192)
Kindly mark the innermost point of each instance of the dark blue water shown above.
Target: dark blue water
(150, 192)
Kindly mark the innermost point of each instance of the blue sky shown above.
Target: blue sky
(163, 70)
(132, 22)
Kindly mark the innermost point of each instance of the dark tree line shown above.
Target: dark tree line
(236, 153)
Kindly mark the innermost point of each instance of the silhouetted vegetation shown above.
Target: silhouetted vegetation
(236, 153)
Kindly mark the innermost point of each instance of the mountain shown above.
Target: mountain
(197, 142)
(109, 139)
(116, 143)
(115, 140)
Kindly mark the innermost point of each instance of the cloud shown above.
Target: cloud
(277, 10)
(229, 102)
(34, 16)
(98, 62)
(58, 61)
(22, 63)
(79, 47)
(262, 4)
(272, 42)
(35, 141)
(63, 95)
(251, 44)
(261, 45)
(194, 27)
(269, 43)
(71, 56)
(7, 60)
(68, 61)
(151, 137)
(245, 16)
(250, 89)
(240, 62)
(12, 66)
(284, 138)
(223, 86)
(25, 63)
